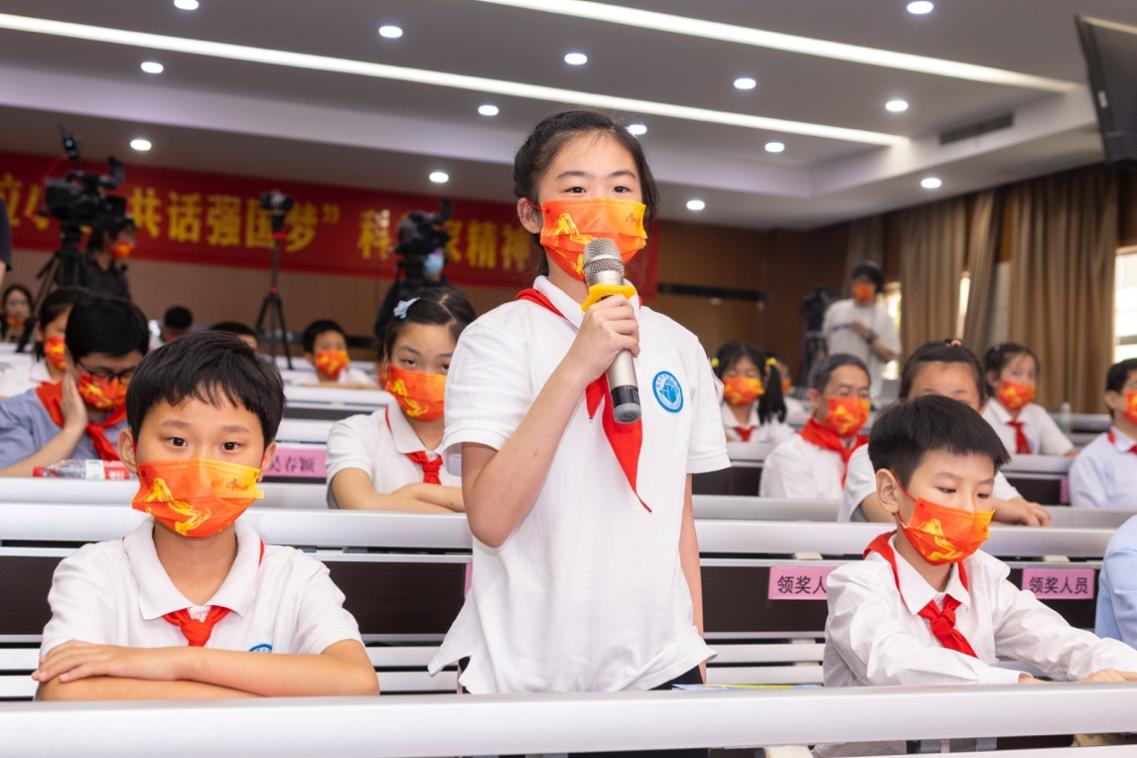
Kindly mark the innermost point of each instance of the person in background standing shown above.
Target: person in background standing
(861, 326)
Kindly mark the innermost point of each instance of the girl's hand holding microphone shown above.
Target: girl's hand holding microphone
(608, 328)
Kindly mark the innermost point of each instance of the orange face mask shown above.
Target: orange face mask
(329, 363)
(421, 396)
(847, 415)
(121, 250)
(55, 351)
(196, 497)
(787, 386)
(1130, 412)
(100, 394)
(742, 390)
(863, 292)
(1015, 395)
(944, 535)
(572, 224)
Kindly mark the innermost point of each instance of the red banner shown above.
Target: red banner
(216, 220)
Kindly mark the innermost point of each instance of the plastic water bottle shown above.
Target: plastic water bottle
(1065, 420)
(75, 468)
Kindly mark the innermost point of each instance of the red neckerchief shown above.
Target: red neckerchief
(197, 633)
(1022, 444)
(827, 439)
(1113, 440)
(942, 622)
(51, 397)
(744, 432)
(625, 439)
(430, 466)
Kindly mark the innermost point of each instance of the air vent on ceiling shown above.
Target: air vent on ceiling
(977, 129)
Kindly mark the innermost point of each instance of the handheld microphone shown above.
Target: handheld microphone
(603, 265)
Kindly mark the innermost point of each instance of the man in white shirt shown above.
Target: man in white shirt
(812, 463)
(926, 607)
(861, 326)
(1104, 475)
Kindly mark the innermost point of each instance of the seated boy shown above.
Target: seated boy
(244, 332)
(325, 347)
(185, 606)
(812, 463)
(81, 416)
(926, 607)
(1104, 475)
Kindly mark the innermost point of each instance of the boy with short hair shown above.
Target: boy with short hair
(325, 347)
(176, 322)
(81, 416)
(1104, 475)
(812, 464)
(183, 607)
(926, 607)
(244, 332)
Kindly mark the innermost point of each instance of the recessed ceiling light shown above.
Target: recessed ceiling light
(390, 31)
(896, 105)
(695, 204)
(775, 147)
(152, 67)
(186, 5)
(488, 109)
(637, 129)
(931, 182)
(141, 144)
(921, 7)
(745, 82)
(576, 59)
(439, 177)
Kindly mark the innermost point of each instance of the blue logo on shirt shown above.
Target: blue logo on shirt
(668, 391)
(264, 647)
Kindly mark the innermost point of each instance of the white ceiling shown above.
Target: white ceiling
(274, 121)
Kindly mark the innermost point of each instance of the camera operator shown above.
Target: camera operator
(422, 260)
(103, 270)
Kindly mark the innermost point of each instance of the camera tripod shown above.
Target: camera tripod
(64, 269)
(273, 305)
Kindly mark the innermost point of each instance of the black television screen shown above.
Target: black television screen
(1111, 57)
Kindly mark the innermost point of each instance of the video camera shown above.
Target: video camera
(79, 199)
(420, 234)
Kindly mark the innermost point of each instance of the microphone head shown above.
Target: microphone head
(602, 255)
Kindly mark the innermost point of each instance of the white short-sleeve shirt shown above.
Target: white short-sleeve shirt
(18, 378)
(116, 592)
(763, 437)
(1042, 432)
(588, 593)
(378, 444)
(840, 337)
(1104, 475)
(800, 469)
(860, 482)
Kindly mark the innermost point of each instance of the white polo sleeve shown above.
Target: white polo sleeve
(784, 472)
(707, 448)
(353, 443)
(860, 482)
(81, 607)
(488, 388)
(321, 619)
(1051, 440)
(1003, 489)
(1088, 480)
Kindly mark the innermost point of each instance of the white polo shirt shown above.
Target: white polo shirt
(1042, 432)
(378, 444)
(860, 482)
(763, 437)
(587, 594)
(800, 469)
(18, 378)
(840, 337)
(1104, 475)
(874, 637)
(116, 592)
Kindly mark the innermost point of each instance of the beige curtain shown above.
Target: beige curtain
(866, 243)
(984, 229)
(1064, 237)
(933, 246)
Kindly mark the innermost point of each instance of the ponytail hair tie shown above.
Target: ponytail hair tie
(715, 362)
(401, 309)
(772, 362)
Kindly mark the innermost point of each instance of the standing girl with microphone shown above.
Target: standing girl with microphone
(586, 565)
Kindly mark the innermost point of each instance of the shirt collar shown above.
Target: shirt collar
(915, 589)
(729, 419)
(406, 440)
(1120, 441)
(568, 307)
(157, 594)
(1002, 415)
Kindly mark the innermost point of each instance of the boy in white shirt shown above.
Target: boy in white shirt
(184, 606)
(812, 463)
(1104, 475)
(325, 348)
(926, 607)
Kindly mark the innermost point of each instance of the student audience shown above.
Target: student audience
(753, 410)
(1025, 427)
(177, 322)
(812, 463)
(937, 368)
(860, 325)
(80, 416)
(1104, 475)
(50, 350)
(325, 348)
(392, 459)
(244, 332)
(16, 309)
(926, 606)
(176, 609)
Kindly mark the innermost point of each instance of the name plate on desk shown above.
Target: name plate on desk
(1059, 583)
(798, 582)
(299, 463)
